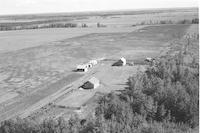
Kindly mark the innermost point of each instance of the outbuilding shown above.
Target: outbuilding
(150, 60)
(82, 68)
(123, 60)
(89, 65)
(120, 62)
(93, 62)
(92, 83)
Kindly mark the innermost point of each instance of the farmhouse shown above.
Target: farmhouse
(123, 60)
(82, 68)
(120, 62)
(93, 83)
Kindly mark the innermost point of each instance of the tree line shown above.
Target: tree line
(183, 21)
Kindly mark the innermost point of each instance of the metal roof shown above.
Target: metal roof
(94, 80)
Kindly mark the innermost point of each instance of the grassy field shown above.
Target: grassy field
(16, 40)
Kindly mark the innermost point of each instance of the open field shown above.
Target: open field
(130, 19)
(15, 40)
(36, 73)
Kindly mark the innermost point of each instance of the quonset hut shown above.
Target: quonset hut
(93, 62)
(82, 68)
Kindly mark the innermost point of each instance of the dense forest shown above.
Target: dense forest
(163, 99)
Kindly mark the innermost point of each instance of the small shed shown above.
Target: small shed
(120, 62)
(89, 65)
(149, 59)
(92, 83)
(82, 68)
(93, 62)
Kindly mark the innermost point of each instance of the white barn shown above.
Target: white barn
(82, 68)
(123, 60)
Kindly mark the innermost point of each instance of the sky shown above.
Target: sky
(54, 6)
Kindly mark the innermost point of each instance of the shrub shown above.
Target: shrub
(195, 21)
(184, 21)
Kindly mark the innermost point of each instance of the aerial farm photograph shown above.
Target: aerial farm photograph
(99, 66)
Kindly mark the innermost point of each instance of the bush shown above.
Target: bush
(184, 21)
(195, 21)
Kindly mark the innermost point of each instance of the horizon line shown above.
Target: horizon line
(99, 11)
